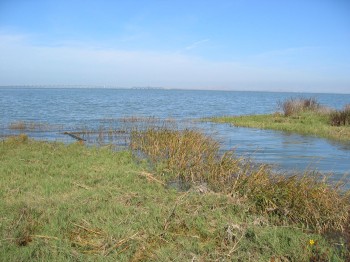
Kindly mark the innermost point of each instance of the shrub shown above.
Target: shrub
(293, 106)
(340, 117)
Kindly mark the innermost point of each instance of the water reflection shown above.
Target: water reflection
(286, 150)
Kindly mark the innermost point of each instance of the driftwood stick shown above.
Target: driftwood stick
(74, 136)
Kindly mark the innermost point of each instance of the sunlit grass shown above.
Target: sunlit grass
(72, 203)
(191, 157)
(305, 123)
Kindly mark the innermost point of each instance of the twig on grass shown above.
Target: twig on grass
(80, 185)
(87, 229)
(150, 177)
(119, 243)
(44, 237)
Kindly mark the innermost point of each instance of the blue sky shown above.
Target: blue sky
(228, 45)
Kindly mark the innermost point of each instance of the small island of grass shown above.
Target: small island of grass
(300, 115)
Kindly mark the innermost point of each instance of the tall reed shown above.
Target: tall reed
(27, 125)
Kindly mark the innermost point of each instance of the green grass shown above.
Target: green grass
(190, 157)
(300, 115)
(305, 123)
(73, 203)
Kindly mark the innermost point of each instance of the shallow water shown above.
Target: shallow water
(74, 109)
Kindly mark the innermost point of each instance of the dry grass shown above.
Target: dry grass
(295, 106)
(341, 117)
(297, 199)
(184, 154)
(22, 138)
(33, 126)
(192, 157)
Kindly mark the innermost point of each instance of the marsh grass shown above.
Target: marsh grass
(76, 203)
(32, 126)
(304, 116)
(184, 154)
(102, 136)
(294, 106)
(306, 200)
(117, 131)
(340, 117)
(299, 199)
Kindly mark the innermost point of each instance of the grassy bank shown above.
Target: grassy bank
(72, 203)
(315, 121)
(306, 123)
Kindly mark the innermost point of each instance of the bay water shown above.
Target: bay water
(74, 108)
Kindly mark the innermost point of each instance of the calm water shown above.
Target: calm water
(74, 108)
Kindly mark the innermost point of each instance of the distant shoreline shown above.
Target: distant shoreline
(110, 87)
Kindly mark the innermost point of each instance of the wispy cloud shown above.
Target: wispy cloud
(23, 62)
(32, 64)
(196, 44)
(192, 46)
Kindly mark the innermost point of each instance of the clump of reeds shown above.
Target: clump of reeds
(293, 106)
(340, 117)
(31, 126)
(134, 119)
(183, 154)
(194, 157)
(300, 199)
(20, 125)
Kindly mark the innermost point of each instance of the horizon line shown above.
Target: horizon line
(91, 86)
